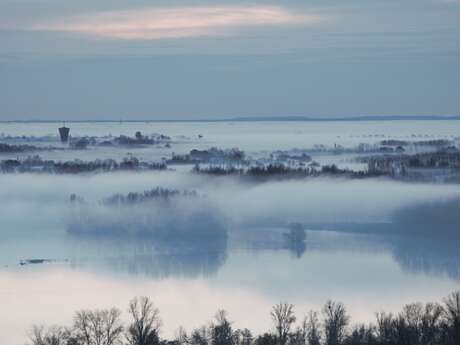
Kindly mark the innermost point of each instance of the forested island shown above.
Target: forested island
(159, 213)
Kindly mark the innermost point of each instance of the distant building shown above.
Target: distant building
(64, 133)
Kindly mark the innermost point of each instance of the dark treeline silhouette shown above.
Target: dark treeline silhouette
(294, 155)
(10, 148)
(277, 170)
(213, 154)
(139, 139)
(155, 194)
(438, 143)
(27, 138)
(416, 324)
(414, 165)
(35, 164)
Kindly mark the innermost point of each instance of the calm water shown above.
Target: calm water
(255, 268)
(368, 273)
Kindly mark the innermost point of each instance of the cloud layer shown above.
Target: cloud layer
(161, 23)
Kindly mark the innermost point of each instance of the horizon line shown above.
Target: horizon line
(261, 119)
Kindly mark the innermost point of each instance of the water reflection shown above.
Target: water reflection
(252, 271)
(297, 249)
(414, 253)
(427, 255)
(148, 257)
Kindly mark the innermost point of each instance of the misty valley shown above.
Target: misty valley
(240, 216)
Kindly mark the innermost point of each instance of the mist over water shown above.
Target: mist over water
(363, 236)
(45, 198)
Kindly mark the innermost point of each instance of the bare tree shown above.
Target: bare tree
(54, 335)
(386, 328)
(221, 332)
(200, 336)
(410, 323)
(297, 337)
(283, 317)
(335, 322)
(431, 324)
(266, 339)
(145, 326)
(452, 316)
(312, 328)
(246, 337)
(182, 337)
(362, 335)
(98, 327)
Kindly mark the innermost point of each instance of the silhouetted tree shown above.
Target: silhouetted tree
(416, 324)
(335, 322)
(297, 337)
(409, 324)
(432, 324)
(200, 336)
(145, 324)
(54, 335)
(452, 316)
(312, 327)
(386, 330)
(182, 337)
(361, 335)
(283, 317)
(168, 342)
(98, 327)
(266, 339)
(221, 332)
(246, 337)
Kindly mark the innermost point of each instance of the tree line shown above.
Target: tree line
(279, 170)
(415, 324)
(35, 164)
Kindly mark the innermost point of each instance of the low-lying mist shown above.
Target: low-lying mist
(164, 214)
(325, 200)
(40, 203)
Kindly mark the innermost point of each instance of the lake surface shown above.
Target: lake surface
(250, 271)
(368, 273)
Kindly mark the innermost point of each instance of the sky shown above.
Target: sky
(172, 60)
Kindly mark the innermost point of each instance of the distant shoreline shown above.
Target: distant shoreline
(263, 119)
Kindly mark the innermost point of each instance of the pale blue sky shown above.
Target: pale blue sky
(143, 59)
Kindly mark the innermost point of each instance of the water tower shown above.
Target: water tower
(64, 133)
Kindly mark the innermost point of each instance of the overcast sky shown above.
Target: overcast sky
(138, 59)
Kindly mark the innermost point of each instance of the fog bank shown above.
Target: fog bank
(40, 202)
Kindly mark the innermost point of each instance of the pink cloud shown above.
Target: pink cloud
(160, 23)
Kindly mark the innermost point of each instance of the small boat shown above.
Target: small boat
(34, 261)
